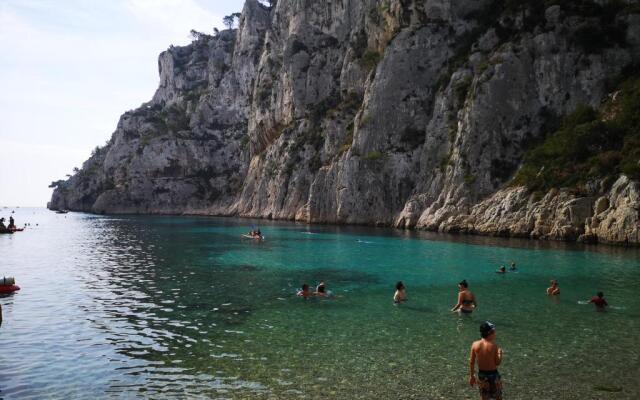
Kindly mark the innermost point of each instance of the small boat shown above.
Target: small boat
(8, 285)
(9, 288)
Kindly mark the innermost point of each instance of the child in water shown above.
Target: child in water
(488, 356)
(304, 292)
(599, 301)
(554, 290)
(400, 294)
(513, 266)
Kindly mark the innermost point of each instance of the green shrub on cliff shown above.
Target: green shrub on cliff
(589, 145)
(373, 156)
(370, 59)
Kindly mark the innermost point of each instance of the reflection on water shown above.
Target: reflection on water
(177, 306)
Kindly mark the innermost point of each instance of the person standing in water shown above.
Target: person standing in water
(599, 301)
(466, 300)
(554, 290)
(304, 292)
(488, 355)
(400, 294)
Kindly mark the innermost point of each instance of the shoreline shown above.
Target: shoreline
(444, 235)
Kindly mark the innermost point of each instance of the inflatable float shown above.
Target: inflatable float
(8, 285)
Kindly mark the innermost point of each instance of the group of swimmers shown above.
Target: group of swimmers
(321, 291)
(597, 300)
(503, 269)
(466, 300)
(484, 352)
(10, 227)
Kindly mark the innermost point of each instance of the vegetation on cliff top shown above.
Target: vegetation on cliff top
(590, 144)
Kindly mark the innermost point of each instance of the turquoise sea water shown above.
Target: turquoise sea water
(166, 307)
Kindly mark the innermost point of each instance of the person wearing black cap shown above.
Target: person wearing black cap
(488, 356)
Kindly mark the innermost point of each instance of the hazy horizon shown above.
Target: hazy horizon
(70, 69)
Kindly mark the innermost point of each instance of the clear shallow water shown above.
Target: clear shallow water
(183, 307)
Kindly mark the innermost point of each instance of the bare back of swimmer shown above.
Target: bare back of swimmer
(466, 300)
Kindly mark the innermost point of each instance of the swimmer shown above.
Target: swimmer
(400, 294)
(321, 290)
(466, 300)
(513, 266)
(502, 270)
(304, 292)
(599, 301)
(554, 290)
(488, 356)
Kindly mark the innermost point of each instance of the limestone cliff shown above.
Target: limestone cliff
(410, 113)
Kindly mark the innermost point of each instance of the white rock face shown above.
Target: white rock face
(411, 113)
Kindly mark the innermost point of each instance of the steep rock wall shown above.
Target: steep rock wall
(407, 113)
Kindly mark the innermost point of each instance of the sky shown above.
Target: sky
(70, 68)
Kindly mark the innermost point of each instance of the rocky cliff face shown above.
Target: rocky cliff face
(411, 113)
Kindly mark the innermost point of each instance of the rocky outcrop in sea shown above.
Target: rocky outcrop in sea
(405, 113)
